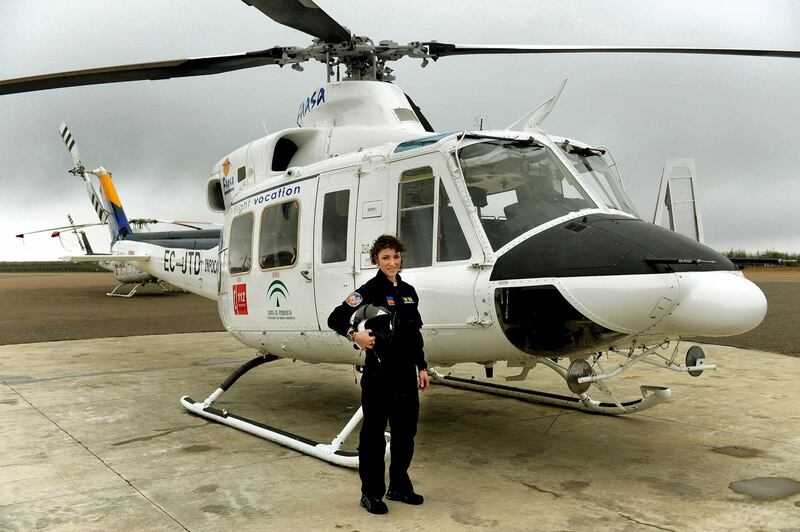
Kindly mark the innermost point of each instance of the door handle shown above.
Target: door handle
(306, 275)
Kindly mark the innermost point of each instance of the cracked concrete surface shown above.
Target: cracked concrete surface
(94, 438)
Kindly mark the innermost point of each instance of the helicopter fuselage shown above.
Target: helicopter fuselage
(516, 249)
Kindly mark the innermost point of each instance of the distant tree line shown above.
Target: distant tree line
(49, 266)
(770, 253)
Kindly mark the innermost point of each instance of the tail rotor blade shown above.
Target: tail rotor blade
(80, 171)
(71, 145)
(75, 231)
(101, 211)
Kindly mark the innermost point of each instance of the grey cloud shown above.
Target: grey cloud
(736, 116)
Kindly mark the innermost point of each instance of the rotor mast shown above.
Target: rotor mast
(362, 59)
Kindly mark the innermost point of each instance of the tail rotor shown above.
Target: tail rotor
(108, 207)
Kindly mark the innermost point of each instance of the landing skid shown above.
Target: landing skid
(651, 396)
(330, 452)
(114, 293)
(165, 288)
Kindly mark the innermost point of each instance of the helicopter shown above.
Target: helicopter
(110, 212)
(125, 273)
(525, 246)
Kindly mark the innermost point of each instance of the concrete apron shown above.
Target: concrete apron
(94, 438)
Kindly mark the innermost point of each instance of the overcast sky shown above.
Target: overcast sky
(739, 118)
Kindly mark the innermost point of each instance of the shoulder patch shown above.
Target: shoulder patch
(354, 299)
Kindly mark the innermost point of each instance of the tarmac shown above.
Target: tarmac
(94, 439)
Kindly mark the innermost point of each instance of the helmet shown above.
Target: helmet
(373, 317)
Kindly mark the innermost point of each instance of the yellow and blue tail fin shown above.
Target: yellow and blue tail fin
(118, 224)
(108, 207)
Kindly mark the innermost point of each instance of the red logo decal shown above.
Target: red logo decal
(240, 299)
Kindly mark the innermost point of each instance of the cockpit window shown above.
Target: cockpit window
(240, 254)
(600, 174)
(517, 185)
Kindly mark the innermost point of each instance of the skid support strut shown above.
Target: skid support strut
(651, 395)
(328, 452)
(130, 293)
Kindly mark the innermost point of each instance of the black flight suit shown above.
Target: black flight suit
(389, 384)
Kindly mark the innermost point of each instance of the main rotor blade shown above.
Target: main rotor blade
(61, 228)
(303, 15)
(438, 49)
(177, 68)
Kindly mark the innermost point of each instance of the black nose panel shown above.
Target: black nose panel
(539, 321)
(603, 244)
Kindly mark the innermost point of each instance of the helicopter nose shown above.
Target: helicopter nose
(627, 277)
(715, 304)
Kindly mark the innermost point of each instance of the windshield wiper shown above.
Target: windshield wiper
(587, 152)
(515, 143)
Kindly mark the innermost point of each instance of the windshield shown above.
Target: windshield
(518, 185)
(600, 176)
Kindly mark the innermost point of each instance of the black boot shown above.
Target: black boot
(408, 497)
(373, 505)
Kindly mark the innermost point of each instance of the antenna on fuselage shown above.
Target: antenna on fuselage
(532, 120)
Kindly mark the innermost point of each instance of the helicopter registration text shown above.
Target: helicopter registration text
(188, 262)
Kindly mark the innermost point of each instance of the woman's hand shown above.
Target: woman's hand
(424, 380)
(364, 339)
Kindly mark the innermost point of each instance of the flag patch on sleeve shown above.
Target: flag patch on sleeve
(354, 299)
(390, 300)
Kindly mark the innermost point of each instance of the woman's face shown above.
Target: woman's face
(389, 262)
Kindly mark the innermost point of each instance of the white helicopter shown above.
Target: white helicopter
(110, 212)
(524, 246)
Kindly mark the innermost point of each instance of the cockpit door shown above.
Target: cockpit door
(441, 246)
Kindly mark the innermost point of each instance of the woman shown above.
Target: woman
(391, 373)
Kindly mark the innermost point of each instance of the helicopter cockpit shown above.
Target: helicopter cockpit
(517, 185)
(599, 171)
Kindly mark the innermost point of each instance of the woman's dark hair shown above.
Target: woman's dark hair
(383, 242)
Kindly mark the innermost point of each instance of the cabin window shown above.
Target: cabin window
(240, 254)
(415, 220)
(277, 246)
(451, 242)
(241, 174)
(335, 210)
